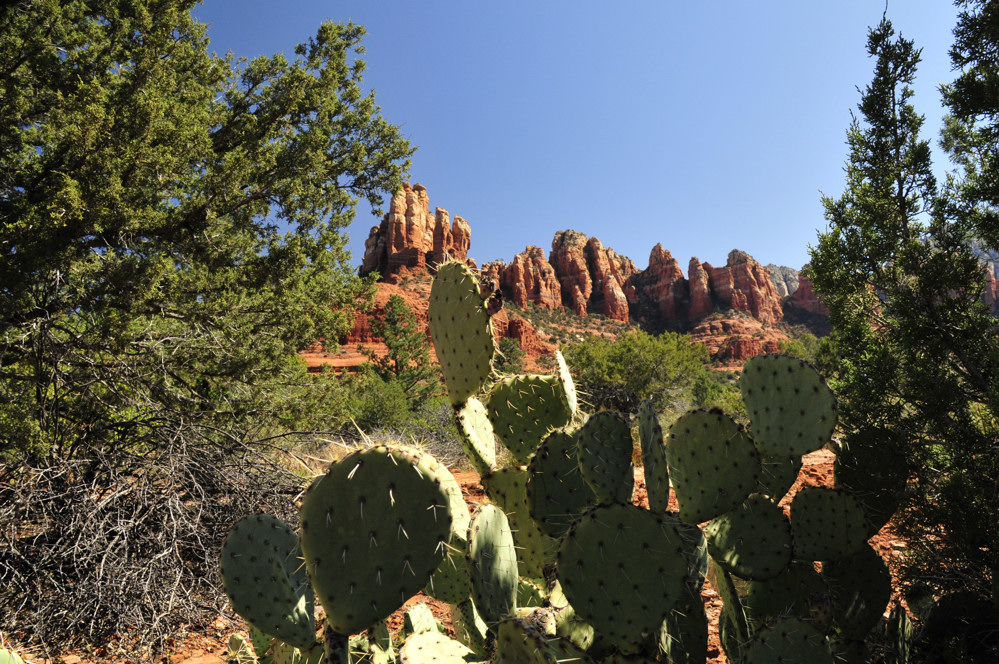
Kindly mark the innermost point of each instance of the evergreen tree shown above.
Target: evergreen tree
(407, 361)
(917, 348)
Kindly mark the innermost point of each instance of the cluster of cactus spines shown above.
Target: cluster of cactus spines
(752, 541)
(264, 580)
(556, 491)
(523, 409)
(827, 524)
(792, 409)
(650, 434)
(622, 569)
(373, 530)
(714, 465)
(604, 448)
(462, 330)
(777, 475)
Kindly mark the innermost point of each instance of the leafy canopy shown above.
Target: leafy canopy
(172, 222)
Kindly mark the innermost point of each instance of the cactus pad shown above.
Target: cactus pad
(556, 491)
(791, 408)
(622, 569)
(492, 564)
(798, 591)
(523, 409)
(653, 457)
(752, 541)
(603, 447)
(683, 637)
(475, 432)
(263, 577)
(562, 371)
(374, 529)
(788, 641)
(507, 487)
(713, 464)
(469, 627)
(861, 589)
(870, 467)
(827, 524)
(778, 475)
(461, 329)
(435, 648)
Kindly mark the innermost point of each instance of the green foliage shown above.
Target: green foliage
(511, 357)
(171, 221)
(620, 374)
(916, 347)
(407, 362)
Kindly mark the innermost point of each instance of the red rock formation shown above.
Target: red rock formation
(733, 341)
(700, 291)
(805, 299)
(608, 273)
(410, 236)
(569, 260)
(531, 278)
(663, 284)
(745, 285)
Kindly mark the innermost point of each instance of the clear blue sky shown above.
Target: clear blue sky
(703, 126)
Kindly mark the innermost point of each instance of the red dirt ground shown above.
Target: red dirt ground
(210, 647)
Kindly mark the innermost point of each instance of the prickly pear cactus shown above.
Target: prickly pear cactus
(622, 569)
(603, 447)
(752, 541)
(524, 409)
(461, 329)
(654, 463)
(263, 577)
(827, 524)
(792, 410)
(492, 564)
(556, 491)
(374, 529)
(713, 464)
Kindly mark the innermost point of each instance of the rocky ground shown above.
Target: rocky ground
(210, 646)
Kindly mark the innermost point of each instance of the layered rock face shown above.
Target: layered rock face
(531, 278)
(593, 280)
(411, 238)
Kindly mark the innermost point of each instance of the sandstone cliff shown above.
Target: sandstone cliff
(410, 238)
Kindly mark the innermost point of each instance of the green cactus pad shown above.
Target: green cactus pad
(713, 464)
(556, 491)
(261, 642)
(524, 409)
(530, 593)
(683, 637)
(568, 386)
(798, 592)
(263, 577)
(653, 457)
(871, 468)
(519, 641)
(475, 432)
(861, 589)
(418, 619)
(492, 564)
(469, 627)
(450, 581)
(622, 569)
(792, 410)
(603, 448)
(788, 641)
(374, 529)
(778, 475)
(435, 648)
(752, 541)
(827, 524)
(507, 487)
(461, 329)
